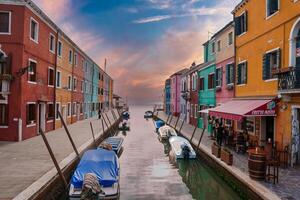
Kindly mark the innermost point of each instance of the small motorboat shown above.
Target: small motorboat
(158, 124)
(148, 114)
(115, 142)
(126, 115)
(124, 125)
(104, 166)
(166, 131)
(182, 148)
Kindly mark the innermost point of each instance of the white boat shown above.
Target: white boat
(182, 148)
(166, 131)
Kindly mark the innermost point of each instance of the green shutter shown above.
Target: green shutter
(264, 67)
(279, 58)
(246, 72)
(237, 22)
(239, 74)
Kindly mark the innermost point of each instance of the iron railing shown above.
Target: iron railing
(289, 79)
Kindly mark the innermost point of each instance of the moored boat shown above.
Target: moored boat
(124, 125)
(182, 148)
(115, 142)
(104, 165)
(166, 131)
(158, 124)
(148, 114)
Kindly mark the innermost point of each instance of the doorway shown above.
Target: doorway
(295, 142)
(42, 117)
(270, 129)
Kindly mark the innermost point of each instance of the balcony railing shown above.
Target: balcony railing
(288, 79)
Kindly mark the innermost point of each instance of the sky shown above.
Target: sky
(144, 41)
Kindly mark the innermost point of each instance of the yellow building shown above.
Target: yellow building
(268, 63)
(65, 60)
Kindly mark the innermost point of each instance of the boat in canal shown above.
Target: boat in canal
(104, 165)
(115, 142)
(165, 132)
(181, 148)
(126, 115)
(148, 114)
(124, 126)
(158, 123)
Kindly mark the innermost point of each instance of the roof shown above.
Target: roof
(237, 7)
(180, 72)
(231, 23)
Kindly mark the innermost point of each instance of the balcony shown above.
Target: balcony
(5, 68)
(288, 80)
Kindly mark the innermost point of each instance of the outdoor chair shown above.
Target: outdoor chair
(272, 169)
(240, 144)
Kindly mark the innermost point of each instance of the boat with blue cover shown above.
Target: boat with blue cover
(104, 165)
(158, 124)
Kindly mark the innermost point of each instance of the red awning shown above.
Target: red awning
(238, 109)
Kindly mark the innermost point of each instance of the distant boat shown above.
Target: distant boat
(124, 125)
(166, 131)
(115, 142)
(148, 114)
(182, 148)
(158, 124)
(126, 115)
(104, 165)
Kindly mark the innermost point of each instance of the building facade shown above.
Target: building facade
(167, 96)
(176, 92)
(41, 73)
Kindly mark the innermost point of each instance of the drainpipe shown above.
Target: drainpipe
(20, 129)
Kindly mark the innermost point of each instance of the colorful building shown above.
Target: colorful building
(167, 96)
(183, 99)
(42, 71)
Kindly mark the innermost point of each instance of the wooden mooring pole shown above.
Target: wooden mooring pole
(102, 117)
(68, 133)
(61, 175)
(177, 122)
(201, 137)
(93, 134)
(182, 124)
(114, 115)
(167, 119)
(193, 133)
(170, 119)
(103, 128)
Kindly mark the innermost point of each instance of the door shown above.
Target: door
(42, 116)
(78, 111)
(269, 129)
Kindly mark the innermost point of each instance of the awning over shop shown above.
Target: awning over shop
(238, 109)
(205, 111)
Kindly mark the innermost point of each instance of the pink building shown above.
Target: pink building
(176, 92)
(225, 63)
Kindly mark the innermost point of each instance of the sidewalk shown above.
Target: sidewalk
(288, 186)
(23, 163)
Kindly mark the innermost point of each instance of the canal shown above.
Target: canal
(147, 173)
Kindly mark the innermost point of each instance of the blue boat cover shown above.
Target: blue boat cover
(159, 123)
(101, 162)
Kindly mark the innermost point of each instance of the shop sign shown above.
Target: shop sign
(264, 110)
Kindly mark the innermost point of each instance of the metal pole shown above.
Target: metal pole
(69, 135)
(168, 119)
(107, 119)
(114, 114)
(193, 133)
(54, 159)
(102, 126)
(177, 122)
(201, 137)
(182, 124)
(93, 134)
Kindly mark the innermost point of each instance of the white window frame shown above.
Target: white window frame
(241, 62)
(70, 57)
(74, 81)
(59, 107)
(232, 38)
(70, 80)
(37, 34)
(9, 26)
(271, 51)
(220, 78)
(246, 25)
(233, 74)
(69, 109)
(53, 43)
(275, 13)
(56, 79)
(32, 124)
(214, 84)
(51, 120)
(53, 77)
(219, 46)
(34, 61)
(75, 59)
(74, 107)
(59, 54)
(213, 50)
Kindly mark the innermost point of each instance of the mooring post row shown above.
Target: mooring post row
(93, 134)
(201, 137)
(107, 119)
(69, 135)
(193, 133)
(177, 122)
(171, 120)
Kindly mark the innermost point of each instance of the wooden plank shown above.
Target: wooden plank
(193, 133)
(93, 134)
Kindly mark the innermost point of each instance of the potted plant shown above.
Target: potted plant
(226, 156)
(215, 149)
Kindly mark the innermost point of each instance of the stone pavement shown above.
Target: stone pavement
(289, 179)
(23, 163)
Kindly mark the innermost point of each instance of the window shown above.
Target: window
(81, 108)
(69, 110)
(219, 46)
(70, 56)
(3, 114)
(31, 113)
(272, 7)
(219, 77)
(50, 111)
(50, 76)
(297, 41)
(75, 59)
(195, 110)
(201, 84)
(242, 73)
(58, 79)
(82, 86)
(229, 73)
(241, 24)
(271, 61)
(57, 110)
(5, 22)
(211, 81)
(74, 108)
(59, 49)
(74, 84)
(34, 30)
(32, 71)
(230, 38)
(52, 43)
(69, 82)
(213, 47)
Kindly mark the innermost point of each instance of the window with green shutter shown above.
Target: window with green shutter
(229, 73)
(271, 62)
(242, 73)
(241, 23)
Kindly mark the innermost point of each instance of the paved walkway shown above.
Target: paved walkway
(289, 179)
(23, 163)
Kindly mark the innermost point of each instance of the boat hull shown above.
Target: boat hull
(177, 143)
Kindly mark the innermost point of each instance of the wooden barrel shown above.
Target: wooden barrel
(257, 166)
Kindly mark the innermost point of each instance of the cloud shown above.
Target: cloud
(153, 19)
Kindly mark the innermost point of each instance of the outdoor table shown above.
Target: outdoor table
(257, 163)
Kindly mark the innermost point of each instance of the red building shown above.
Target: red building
(29, 43)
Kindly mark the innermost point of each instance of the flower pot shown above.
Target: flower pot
(226, 157)
(215, 150)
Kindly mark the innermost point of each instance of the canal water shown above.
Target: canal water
(147, 173)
